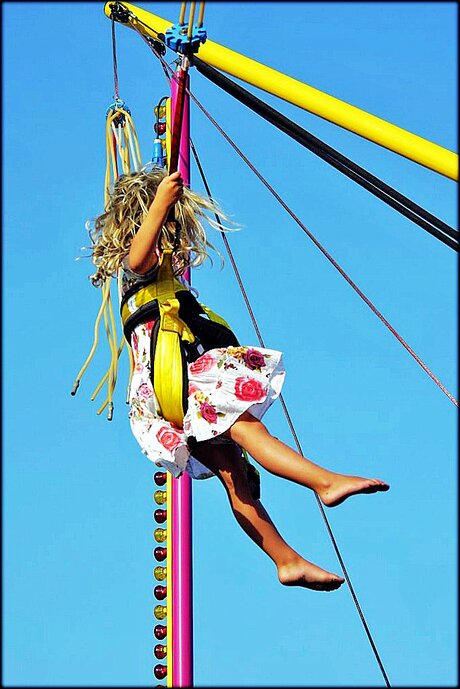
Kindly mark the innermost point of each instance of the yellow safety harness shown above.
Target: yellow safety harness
(162, 300)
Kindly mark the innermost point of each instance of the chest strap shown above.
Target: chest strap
(168, 366)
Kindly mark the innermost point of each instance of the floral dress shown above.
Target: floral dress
(223, 383)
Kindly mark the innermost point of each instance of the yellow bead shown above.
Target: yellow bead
(160, 112)
(160, 497)
(160, 612)
(160, 535)
(160, 573)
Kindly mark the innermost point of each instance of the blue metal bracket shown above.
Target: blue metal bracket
(176, 38)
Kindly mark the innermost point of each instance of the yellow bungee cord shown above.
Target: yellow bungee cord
(121, 146)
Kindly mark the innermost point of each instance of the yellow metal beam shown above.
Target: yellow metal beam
(328, 107)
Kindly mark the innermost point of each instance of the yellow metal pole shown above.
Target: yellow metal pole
(191, 17)
(201, 15)
(328, 107)
(182, 13)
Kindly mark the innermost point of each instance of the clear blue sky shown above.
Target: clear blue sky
(78, 601)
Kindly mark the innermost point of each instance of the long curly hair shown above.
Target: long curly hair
(112, 232)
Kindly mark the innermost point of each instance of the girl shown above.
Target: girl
(230, 387)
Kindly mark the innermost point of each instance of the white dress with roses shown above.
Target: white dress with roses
(223, 383)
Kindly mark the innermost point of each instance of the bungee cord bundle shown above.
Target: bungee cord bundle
(122, 154)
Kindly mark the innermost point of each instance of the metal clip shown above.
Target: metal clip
(118, 104)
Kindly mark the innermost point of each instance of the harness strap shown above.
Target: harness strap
(213, 316)
(162, 291)
(166, 287)
(167, 351)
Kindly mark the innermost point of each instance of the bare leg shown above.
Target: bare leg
(279, 459)
(293, 570)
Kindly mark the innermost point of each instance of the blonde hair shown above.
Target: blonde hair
(124, 212)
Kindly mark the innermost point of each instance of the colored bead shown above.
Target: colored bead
(160, 478)
(160, 496)
(160, 573)
(160, 631)
(160, 592)
(160, 128)
(160, 516)
(160, 612)
(160, 535)
(160, 651)
(160, 671)
(160, 554)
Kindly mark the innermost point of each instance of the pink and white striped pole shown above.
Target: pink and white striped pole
(181, 495)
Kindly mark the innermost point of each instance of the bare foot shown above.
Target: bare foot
(342, 486)
(303, 573)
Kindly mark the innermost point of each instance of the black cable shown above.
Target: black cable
(302, 135)
(386, 193)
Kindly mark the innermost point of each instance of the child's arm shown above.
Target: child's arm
(142, 256)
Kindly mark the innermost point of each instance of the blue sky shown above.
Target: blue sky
(77, 491)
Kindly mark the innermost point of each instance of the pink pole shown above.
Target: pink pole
(182, 582)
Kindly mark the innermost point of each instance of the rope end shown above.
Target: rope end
(75, 387)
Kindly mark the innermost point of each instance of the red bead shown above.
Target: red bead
(160, 478)
(160, 554)
(160, 592)
(160, 651)
(160, 671)
(160, 128)
(160, 516)
(160, 631)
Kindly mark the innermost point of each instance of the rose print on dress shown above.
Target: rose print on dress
(202, 365)
(251, 357)
(168, 438)
(254, 359)
(192, 388)
(249, 389)
(208, 412)
(237, 352)
(144, 390)
(228, 354)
